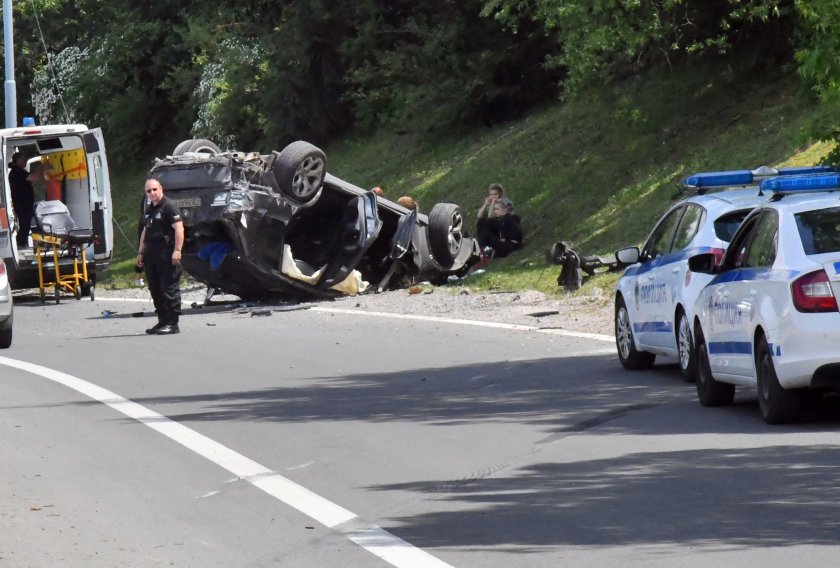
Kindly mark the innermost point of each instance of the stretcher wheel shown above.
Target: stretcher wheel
(91, 293)
(57, 294)
(43, 295)
(78, 292)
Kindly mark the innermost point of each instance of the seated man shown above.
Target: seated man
(502, 233)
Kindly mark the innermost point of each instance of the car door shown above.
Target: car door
(359, 226)
(8, 245)
(735, 294)
(652, 289)
(100, 194)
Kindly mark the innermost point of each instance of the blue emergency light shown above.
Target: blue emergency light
(749, 177)
(801, 183)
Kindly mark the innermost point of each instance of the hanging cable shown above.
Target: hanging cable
(49, 63)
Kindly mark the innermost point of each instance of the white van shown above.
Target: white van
(73, 159)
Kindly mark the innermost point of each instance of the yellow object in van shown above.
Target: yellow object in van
(70, 164)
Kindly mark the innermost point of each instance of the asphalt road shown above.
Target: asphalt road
(310, 438)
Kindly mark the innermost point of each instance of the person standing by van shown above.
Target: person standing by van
(23, 196)
(159, 253)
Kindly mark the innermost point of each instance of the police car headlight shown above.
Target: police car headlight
(239, 201)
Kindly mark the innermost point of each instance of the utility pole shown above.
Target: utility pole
(8, 46)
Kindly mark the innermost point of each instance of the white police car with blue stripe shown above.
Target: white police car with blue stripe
(655, 297)
(769, 316)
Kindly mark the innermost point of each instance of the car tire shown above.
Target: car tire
(777, 405)
(630, 358)
(300, 170)
(6, 337)
(709, 391)
(446, 233)
(685, 348)
(197, 145)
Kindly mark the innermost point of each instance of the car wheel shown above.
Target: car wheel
(709, 391)
(446, 233)
(685, 348)
(776, 404)
(628, 355)
(198, 145)
(300, 170)
(6, 335)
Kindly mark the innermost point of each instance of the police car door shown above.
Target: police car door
(100, 195)
(734, 301)
(653, 290)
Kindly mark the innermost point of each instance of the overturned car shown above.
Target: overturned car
(261, 225)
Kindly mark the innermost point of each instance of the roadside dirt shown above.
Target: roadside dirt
(590, 314)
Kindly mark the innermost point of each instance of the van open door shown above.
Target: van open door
(100, 196)
(8, 245)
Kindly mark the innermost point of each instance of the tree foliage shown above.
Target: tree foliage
(601, 38)
(260, 73)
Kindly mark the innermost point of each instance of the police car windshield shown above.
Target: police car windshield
(819, 230)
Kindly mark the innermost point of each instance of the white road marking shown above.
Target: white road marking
(498, 325)
(479, 323)
(372, 538)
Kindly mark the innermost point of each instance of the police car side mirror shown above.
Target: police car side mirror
(704, 263)
(629, 255)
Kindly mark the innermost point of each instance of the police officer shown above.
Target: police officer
(160, 254)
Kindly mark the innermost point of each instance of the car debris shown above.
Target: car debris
(278, 224)
(574, 265)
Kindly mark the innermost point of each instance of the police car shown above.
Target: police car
(769, 317)
(654, 299)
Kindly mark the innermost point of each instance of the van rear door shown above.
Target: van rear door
(8, 247)
(100, 195)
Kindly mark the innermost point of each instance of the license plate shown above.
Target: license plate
(189, 202)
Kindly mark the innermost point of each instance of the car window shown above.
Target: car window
(690, 223)
(762, 250)
(659, 242)
(736, 253)
(726, 225)
(819, 230)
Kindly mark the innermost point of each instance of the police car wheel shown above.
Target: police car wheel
(685, 348)
(629, 357)
(709, 391)
(776, 404)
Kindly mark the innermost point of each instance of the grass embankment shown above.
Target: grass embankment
(597, 171)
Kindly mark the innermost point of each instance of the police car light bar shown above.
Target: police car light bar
(801, 183)
(749, 177)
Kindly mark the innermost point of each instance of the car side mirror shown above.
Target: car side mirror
(629, 255)
(703, 263)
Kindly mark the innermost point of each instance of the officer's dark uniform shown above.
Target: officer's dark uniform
(162, 277)
(23, 201)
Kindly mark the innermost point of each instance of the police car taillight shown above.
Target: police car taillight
(812, 293)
